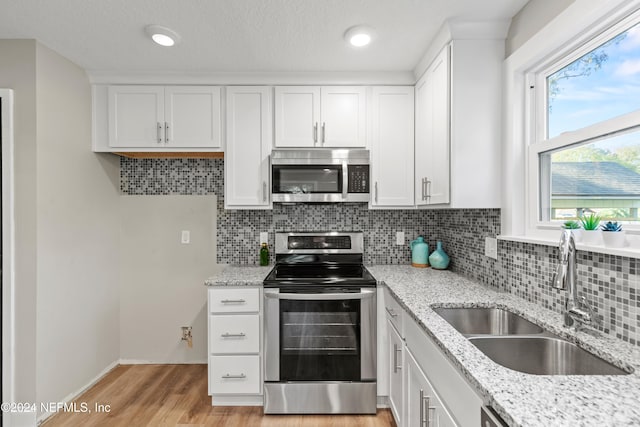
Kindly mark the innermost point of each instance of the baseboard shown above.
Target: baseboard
(383, 402)
(160, 362)
(70, 397)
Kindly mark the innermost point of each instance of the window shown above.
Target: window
(584, 154)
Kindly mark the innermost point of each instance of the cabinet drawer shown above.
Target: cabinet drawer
(393, 311)
(234, 334)
(234, 374)
(234, 300)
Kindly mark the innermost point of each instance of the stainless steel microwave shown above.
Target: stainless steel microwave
(319, 175)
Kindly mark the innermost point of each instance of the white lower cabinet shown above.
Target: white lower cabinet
(396, 383)
(423, 406)
(234, 374)
(235, 331)
(425, 389)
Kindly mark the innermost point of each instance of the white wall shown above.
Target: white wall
(531, 18)
(77, 236)
(17, 72)
(162, 280)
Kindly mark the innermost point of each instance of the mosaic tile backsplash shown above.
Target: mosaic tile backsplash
(611, 283)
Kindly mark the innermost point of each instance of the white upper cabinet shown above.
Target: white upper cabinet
(312, 116)
(136, 116)
(249, 133)
(343, 115)
(432, 181)
(458, 107)
(297, 116)
(392, 142)
(192, 116)
(158, 118)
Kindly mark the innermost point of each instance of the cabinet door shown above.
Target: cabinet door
(297, 113)
(423, 406)
(343, 113)
(246, 164)
(439, 179)
(192, 117)
(136, 116)
(396, 388)
(392, 146)
(432, 142)
(423, 129)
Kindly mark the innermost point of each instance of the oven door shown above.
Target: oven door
(320, 335)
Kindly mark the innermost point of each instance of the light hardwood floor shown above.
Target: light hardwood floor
(176, 395)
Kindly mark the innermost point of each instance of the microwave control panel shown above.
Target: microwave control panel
(358, 178)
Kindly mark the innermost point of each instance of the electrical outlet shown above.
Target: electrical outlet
(185, 237)
(491, 247)
(264, 237)
(400, 238)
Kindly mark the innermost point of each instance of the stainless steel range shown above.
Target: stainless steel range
(320, 327)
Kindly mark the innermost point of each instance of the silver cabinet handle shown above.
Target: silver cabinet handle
(425, 403)
(391, 312)
(428, 189)
(227, 376)
(228, 335)
(422, 408)
(315, 132)
(264, 191)
(324, 132)
(375, 192)
(166, 132)
(424, 189)
(396, 350)
(233, 301)
(158, 130)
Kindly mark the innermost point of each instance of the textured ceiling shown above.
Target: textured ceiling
(240, 35)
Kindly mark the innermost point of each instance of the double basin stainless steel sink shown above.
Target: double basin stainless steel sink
(516, 343)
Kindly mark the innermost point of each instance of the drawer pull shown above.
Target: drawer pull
(228, 335)
(233, 301)
(391, 312)
(396, 350)
(229, 376)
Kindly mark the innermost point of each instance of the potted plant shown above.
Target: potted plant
(574, 226)
(591, 234)
(613, 235)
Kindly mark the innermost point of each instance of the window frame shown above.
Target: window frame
(535, 132)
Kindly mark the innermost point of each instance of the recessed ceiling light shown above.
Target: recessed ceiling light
(162, 35)
(359, 35)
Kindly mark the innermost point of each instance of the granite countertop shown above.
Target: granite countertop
(520, 399)
(239, 275)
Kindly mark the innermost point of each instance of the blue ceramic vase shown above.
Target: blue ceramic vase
(439, 259)
(419, 253)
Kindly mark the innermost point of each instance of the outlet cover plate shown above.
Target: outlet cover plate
(491, 247)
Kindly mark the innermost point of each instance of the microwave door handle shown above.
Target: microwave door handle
(345, 180)
(364, 293)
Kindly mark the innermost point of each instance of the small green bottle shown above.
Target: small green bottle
(264, 255)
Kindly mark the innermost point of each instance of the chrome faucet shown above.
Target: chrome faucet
(577, 311)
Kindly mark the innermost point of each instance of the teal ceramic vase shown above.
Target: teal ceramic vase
(439, 259)
(419, 253)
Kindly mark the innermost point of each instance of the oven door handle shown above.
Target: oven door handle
(365, 293)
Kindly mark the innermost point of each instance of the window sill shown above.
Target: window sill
(627, 251)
